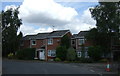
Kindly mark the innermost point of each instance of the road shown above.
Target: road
(41, 67)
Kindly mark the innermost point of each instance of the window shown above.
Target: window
(79, 54)
(33, 42)
(81, 41)
(52, 53)
(50, 41)
(86, 54)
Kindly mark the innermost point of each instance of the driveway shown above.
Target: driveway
(40, 67)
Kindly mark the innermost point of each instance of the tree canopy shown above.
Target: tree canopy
(107, 16)
(65, 41)
(10, 25)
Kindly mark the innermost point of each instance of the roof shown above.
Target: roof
(80, 34)
(58, 33)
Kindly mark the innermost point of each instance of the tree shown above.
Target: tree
(71, 54)
(107, 16)
(61, 52)
(65, 41)
(95, 52)
(10, 26)
(100, 39)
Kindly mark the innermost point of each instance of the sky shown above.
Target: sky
(40, 16)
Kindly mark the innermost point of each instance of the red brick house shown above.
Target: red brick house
(78, 41)
(45, 43)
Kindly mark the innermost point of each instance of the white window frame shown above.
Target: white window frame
(52, 53)
(50, 41)
(79, 53)
(83, 41)
(32, 42)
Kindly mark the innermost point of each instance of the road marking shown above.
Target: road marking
(92, 70)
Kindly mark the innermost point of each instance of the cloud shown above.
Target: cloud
(81, 23)
(9, 7)
(29, 30)
(46, 12)
(85, 22)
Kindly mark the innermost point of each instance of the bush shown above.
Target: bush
(26, 54)
(61, 52)
(104, 60)
(10, 55)
(95, 52)
(57, 59)
(86, 60)
(71, 54)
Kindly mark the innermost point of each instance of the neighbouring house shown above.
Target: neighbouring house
(80, 44)
(45, 43)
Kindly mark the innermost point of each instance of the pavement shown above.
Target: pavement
(41, 67)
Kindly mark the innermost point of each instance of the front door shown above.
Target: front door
(42, 54)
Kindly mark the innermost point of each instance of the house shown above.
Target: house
(45, 43)
(80, 44)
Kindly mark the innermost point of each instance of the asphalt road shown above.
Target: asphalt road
(39, 67)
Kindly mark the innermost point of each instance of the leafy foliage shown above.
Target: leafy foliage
(71, 54)
(26, 54)
(65, 41)
(10, 26)
(86, 60)
(95, 52)
(107, 17)
(61, 52)
(57, 59)
(10, 55)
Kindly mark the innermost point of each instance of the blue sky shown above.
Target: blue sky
(78, 19)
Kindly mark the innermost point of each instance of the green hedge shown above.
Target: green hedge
(26, 54)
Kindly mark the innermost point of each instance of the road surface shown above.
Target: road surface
(41, 67)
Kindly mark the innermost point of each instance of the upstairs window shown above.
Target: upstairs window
(33, 42)
(81, 41)
(50, 41)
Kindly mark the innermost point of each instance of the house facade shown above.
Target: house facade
(45, 43)
(80, 44)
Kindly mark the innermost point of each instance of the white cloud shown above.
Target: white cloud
(85, 22)
(9, 7)
(29, 30)
(46, 12)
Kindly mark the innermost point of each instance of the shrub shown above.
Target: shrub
(10, 55)
(57, 59)
(95, 52)
(61, 52)
(103, 60)
(26, 54)
(86, 60)
(71, 54)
